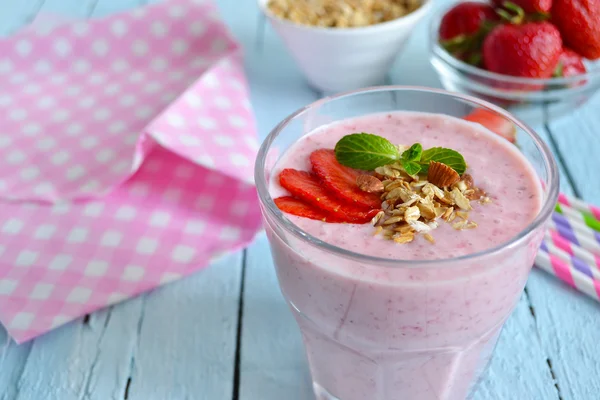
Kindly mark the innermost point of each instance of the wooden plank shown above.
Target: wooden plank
(69, 8)
(564, 317)
(273, 362)
(107, 7)
(16, 14)
(12, 362)
(187, 335)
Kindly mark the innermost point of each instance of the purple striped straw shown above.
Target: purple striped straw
(575, 226)
(579, 264)
(583, 240)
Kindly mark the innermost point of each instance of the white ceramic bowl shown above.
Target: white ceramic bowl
(340, 59)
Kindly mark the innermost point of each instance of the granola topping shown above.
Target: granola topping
(342, 13)
(414, 206)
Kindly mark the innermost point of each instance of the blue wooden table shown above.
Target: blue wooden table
(225, 333)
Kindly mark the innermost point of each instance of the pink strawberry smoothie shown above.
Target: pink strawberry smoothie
(422, 327)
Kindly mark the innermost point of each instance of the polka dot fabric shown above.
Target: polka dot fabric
(79, 98)
(126, 156)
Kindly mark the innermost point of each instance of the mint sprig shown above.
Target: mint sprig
(451, 158)
(367, 151)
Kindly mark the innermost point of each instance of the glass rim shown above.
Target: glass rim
(462, 66)
(262, 185)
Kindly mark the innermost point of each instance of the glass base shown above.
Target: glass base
(321, 393)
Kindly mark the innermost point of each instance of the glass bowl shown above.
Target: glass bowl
(524, 97)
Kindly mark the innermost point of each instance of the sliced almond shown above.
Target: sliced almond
(369, 184)
(404, 228)
(412, 214)
(377, 217)
(439, 211)
(462, 214)
(471, 225)
(448, 213)
(427, 208)
(462, 186)
(441, 175)
(461, 200)
(393, 185)
(476, 194)
(419, 226)
(404, 237)
(429, 238)
(393, 220)
(460, 225)
(377, 230)
(468, 180)
(451, 217)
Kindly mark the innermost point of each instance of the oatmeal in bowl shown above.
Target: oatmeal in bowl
(342, 13)
(344, 44)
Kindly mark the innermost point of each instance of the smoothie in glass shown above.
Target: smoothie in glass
(387, 319)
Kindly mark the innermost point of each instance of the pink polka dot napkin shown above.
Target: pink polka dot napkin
(126, 153)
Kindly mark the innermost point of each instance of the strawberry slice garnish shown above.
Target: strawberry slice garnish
(307, 187)
(494, 122)
(291, 205)
(341, 180)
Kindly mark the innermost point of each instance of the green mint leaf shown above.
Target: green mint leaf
(451, 158)
(413, 153)
(365, 151)
(411, 167)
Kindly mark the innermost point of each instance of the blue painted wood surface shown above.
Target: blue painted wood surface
(181, 341)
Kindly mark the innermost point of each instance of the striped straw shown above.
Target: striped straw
(576, 226)
(568, 274)
(584, 217)
(579, 205)
(575, 237)
(563, 244)
(589, 270)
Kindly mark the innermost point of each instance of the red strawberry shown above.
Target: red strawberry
(529, 6)
(494, 122)
(579, 23)
(341, 180)
(463, 28)
(465, 19)
(307, 187)
(569, 64)
(297, 207)
(530, 50)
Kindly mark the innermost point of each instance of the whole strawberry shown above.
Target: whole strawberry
(569, 64)
(530, 50)
(529, 6)
(579, 23)
(465, 19)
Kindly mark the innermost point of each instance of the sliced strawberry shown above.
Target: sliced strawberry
(307, 187)
(494, 123)
(291, 205)
(341, 180)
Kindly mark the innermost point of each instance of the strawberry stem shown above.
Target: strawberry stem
(511, 13)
